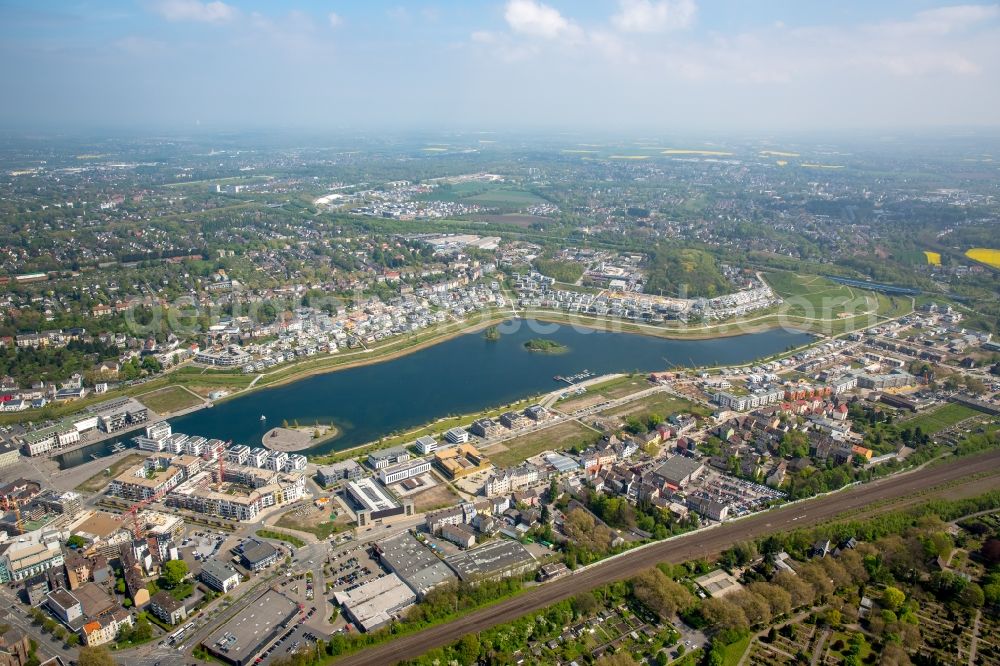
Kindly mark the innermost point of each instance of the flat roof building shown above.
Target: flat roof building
(718, 583)
(345, 469)
(460, 461)
(385, 457)
(375, 603)
(496, 559)
(219, 576)
(404, 470)
(371, 496)
(679, 471)
(413, 562)
(242, 638)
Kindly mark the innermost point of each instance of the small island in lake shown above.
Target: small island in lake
(545, 346)
(492, 334)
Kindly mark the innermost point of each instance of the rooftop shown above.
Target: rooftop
(239, 639)
(491, 559)
(414, 563)
(718, 583)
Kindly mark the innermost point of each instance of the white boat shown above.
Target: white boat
(263, 418)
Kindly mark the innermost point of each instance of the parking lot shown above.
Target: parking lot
(295, 639)
(743, 496)
(351, 568)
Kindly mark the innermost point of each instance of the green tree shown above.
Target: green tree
(95, 656)
(174, 572)
(468, 649)
(893, 598)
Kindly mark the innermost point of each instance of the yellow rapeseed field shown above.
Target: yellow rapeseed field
(984, 255)
(933, 258)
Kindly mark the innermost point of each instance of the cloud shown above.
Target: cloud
(535, 19)
(648, 16)
(193, 10)
(336, 20)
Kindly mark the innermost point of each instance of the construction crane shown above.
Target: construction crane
(17, 511)
(133, 512)
(220, 454)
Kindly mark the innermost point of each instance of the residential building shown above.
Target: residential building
(386, 457)
(219, 576)
(349, 469)
(461, 535)
(165, 607)
(426, 445)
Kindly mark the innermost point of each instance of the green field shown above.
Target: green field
(168, 400)
(281, 536)
(940, 418)
(733, 652)
(661, 404)
(811, 293)
(492, 195)
(321, 527)
(557, 438)
(505, 198)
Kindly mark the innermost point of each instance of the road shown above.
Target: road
(703, 543)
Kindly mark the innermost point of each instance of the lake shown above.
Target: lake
(459, 376)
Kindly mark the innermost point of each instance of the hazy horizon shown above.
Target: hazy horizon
(621, 67)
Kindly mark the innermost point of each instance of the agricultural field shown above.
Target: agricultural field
(169, 400)
(933, 258)
(984, 255)
(563, 436)
(940, 418)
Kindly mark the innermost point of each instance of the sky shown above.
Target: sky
(489, 65)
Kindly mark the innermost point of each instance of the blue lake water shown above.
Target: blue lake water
(462, 375)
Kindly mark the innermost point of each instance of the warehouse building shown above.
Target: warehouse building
(496, 559)
(375, 603)
(240, 640)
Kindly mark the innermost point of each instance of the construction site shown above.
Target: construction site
(212, 487)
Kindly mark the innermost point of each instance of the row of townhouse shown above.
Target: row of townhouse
(752, 400)
(508, 480)
(53, 338)
(159, 437)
